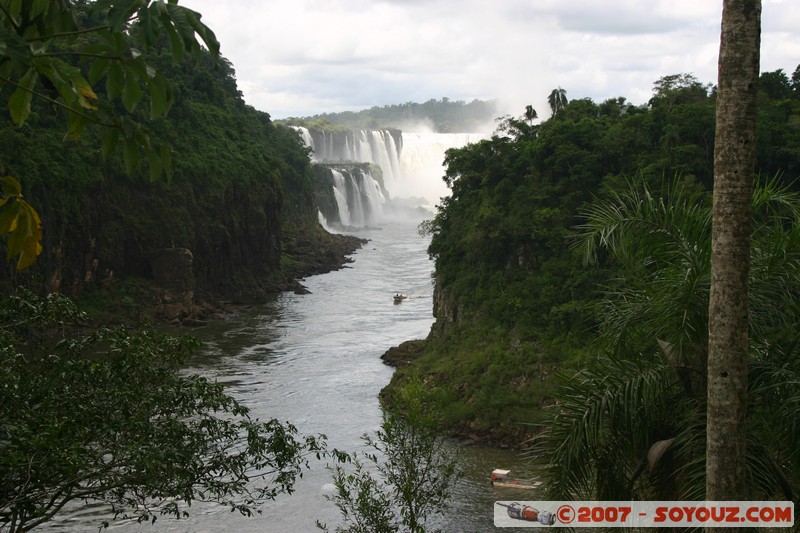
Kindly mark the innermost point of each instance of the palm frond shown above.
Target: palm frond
(609, 415)
(621, 406)
(626, 220)
(774, 202)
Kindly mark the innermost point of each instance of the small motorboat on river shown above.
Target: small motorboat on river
(500, 479)
(399, 297)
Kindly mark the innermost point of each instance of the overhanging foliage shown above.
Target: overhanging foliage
(107, 416)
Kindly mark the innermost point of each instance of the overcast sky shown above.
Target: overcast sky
(304, 57)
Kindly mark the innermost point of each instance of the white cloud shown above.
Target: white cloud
(303, 57)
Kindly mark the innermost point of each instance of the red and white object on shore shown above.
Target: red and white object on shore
(500, 479)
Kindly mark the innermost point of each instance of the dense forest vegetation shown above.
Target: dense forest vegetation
(240, 197)
(571, 287)
(442, 116)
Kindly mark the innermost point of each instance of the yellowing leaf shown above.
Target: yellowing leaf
(84, 91)
(32, 244)
(86, 104)
(87, 92)
(11, 186)
(9, 213)
(25, 238)
(21, 222)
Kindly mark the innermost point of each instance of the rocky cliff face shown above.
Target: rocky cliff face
(231, 232)
(190, 241)
(447, 311)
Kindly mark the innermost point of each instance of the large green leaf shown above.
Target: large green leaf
(175, 43)
(46, 68)
(160, 96)
(131, 93)
(38, 7)
(179, 20)
(109, 142)
(130, 154)
(98, 69)
(19, 104)
(121, 12)
(15, 48)
(14, 10)
(115, 80)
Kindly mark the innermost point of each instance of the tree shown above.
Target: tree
(734, 173)
(416, 473)
(776, 85)
(530, 115)
(519, 128)
(108, 417)
(640, 406)
(557, 100)
(59, 52)
(677, 88)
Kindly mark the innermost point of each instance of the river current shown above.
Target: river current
(314, 360)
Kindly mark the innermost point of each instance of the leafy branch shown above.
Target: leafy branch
(58, 103)
(33, 35)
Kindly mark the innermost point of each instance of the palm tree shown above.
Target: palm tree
(557, 100)
(530, 114)
(734, 171)
(641, 404)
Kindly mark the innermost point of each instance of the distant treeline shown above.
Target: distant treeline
(443, 116)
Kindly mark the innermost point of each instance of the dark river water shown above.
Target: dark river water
(314, 360)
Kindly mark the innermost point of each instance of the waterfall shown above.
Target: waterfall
(358, 197)
(305, 135)
(374, 197)
(340, 193)
(354, 200)
(411, 165)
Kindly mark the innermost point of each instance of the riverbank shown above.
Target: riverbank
(468, 415)
(179, 302)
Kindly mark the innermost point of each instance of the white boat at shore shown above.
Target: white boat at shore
(500, 479)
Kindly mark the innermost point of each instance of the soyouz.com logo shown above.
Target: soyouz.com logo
(643, 514)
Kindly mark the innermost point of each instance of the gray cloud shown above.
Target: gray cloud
(303, 57)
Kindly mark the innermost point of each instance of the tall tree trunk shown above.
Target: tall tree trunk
(734, 173)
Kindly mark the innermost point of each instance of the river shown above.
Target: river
(314, 360)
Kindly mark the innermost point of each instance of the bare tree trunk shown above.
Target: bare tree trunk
(734, 174)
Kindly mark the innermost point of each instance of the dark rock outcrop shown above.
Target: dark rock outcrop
(403, 354)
